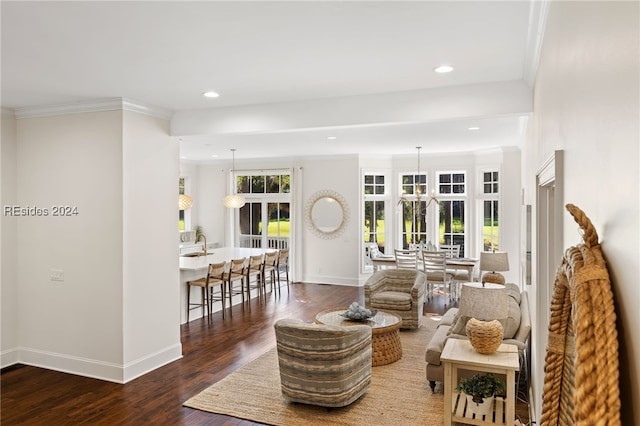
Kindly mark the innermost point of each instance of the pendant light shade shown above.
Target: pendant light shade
(234, 201)
(184, 202)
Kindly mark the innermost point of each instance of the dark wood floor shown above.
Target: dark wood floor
(35, 396)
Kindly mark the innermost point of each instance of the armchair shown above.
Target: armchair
(323, 365)
(400, 291)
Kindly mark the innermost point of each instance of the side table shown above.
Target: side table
(458, 354)
(385, 333)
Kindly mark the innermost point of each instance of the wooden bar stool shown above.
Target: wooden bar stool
(214, 277)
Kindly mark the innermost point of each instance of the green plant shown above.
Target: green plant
(481, 386)
(198, 230)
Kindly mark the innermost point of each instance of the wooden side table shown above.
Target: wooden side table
(457, 355)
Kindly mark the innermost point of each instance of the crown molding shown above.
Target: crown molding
(99, 105)
(538, 14)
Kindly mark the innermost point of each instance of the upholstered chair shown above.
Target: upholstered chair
(399, 291)
(323, 365)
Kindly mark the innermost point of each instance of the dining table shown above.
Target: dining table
(194, 266)
(465, 263)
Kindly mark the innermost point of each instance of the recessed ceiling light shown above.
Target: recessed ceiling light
(331, 137)
(210, 94)
(474, 128)
(214, 156)
(442, 69)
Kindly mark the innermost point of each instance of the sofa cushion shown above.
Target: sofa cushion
(436, 345)
(395, 300)
(449, 317)
(510, 324)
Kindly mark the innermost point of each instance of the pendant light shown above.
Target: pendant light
(184, 202)
(234, 201)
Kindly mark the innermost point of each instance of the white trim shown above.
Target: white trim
(9, 357)
(538, 12)
(99, 105)
(150, 362)
(85, 367)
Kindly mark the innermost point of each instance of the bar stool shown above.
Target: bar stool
(235, 273)
(254, 270)
(283, 266)
(214, 277)
(269, 269)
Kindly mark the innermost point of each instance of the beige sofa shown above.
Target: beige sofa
(516, 329)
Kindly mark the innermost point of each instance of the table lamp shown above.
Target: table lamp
(484, 304)
(494, 261)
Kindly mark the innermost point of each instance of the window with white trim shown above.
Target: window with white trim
(264, 220)
(375, 201)
(452, 197)
(490, 211)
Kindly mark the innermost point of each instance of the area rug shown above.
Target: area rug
(399, 393)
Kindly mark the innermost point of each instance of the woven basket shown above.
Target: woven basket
(485, 336)
(581, 382)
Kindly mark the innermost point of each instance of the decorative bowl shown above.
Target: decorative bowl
(351, 317)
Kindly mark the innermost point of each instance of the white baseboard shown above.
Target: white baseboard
(328, 279)
(107, 371)
(9, 357)
(149, 363)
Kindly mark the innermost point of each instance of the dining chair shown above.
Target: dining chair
(434, 264)
(283, 266)
(214, 277)
(459, 275)
(406, 259)
(234, 274)
(254, 269)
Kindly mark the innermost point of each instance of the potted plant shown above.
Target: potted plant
(480, 390)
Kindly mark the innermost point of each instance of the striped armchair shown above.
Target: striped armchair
(323, 365)
(399, 291)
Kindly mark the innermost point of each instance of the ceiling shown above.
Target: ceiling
(289, 74)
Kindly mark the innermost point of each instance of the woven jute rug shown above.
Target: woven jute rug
(399, 393)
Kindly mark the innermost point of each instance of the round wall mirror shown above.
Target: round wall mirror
(326, 214)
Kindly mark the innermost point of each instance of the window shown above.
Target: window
(414, 220)
(490, 219)
(452, 191)
(181, 213)
(264, 221)
(451, 183)
(375, 200)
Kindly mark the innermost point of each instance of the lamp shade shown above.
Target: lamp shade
(486, 302)
(184, 202)
(494, 261)
(234, 201)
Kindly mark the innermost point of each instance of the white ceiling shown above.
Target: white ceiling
(290, 55)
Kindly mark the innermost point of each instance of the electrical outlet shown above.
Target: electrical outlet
(57, 275)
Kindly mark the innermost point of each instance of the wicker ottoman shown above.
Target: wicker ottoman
(385, 333)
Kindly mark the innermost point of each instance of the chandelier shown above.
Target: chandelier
(415, 204)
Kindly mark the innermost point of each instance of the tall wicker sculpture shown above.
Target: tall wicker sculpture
(581, 366)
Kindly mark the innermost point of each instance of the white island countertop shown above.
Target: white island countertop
(217, 255)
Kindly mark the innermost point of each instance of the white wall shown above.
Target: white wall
(150, 282)
(335, 260)
(75, 325)
(116, 314)
(586, 103)
(9, 236)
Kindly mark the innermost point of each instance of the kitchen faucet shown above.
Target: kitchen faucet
(204, 248)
